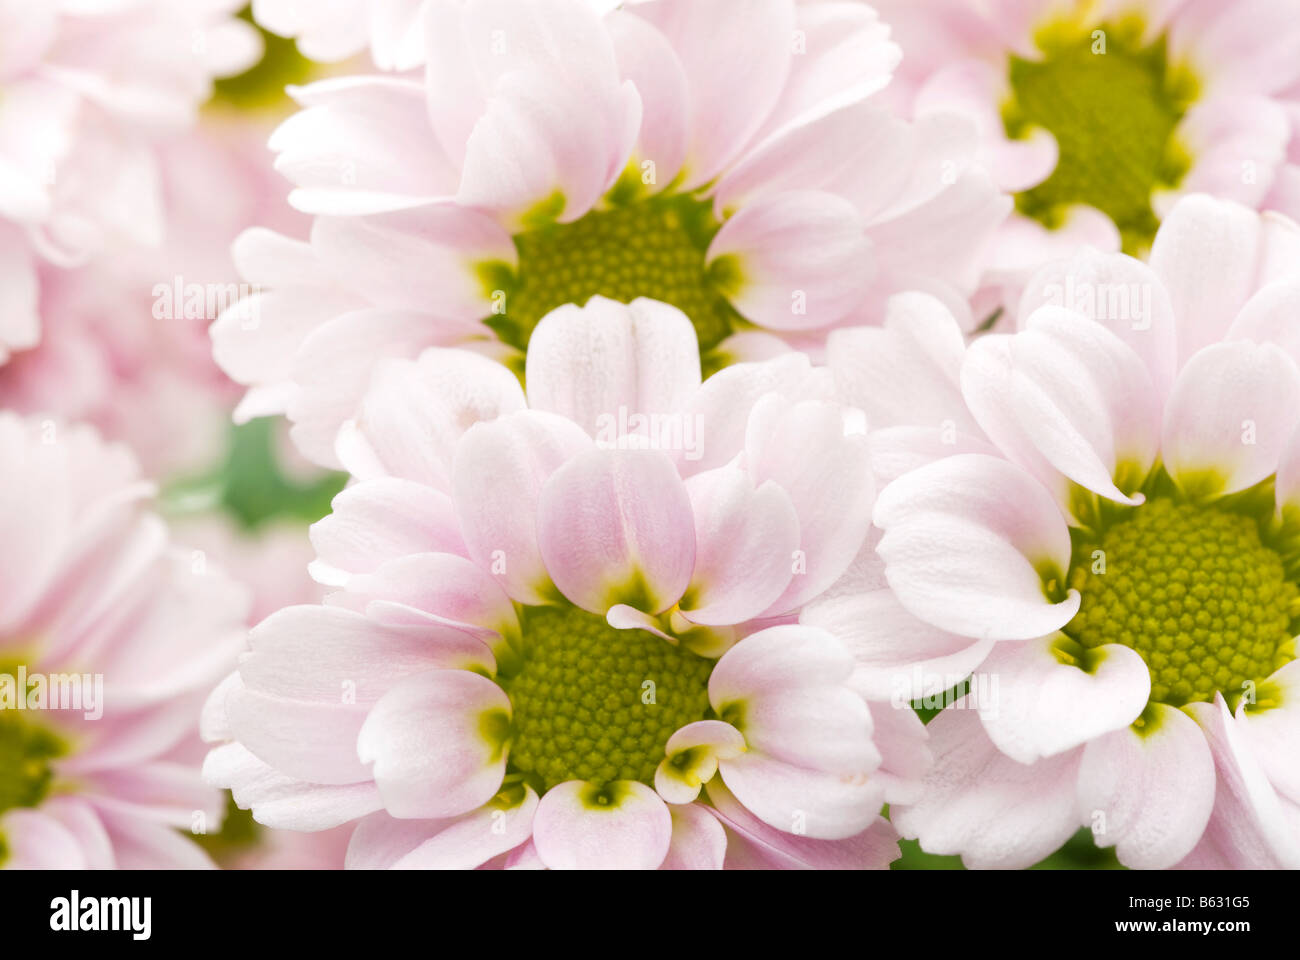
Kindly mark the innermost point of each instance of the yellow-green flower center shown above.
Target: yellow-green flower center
(1112, 104)
(635, 247)
(598, 704)
(1205, 593)
(26, 749)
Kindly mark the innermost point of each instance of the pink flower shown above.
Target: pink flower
(1107, 499)
(728, 158)
(124, 344)
(567, 629)
(124, 634)
(1099, 116)
(86, 93)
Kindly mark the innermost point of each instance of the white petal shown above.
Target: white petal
(981, 804)
(1042, 706)
(967, 543)
(1230, 415)
(1149, 792)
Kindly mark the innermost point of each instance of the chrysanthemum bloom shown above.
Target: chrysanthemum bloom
(118, 636)
(86, 93)
(1116, 513)
(568, 631)
(1099, 114)
(725, 158)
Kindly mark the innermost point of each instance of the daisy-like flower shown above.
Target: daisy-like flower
(87, 91)
(726, 158)
(1099, 114)
(1108, 497)
(110, 638)
(567, 630)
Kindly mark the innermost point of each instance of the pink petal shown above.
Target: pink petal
(81, 820)
(362, 145)
(321, 653)
(1251, 828)
(499, 472)
(944, 237)
(860, 152)
(647, 59)
(1268, 317)
(698, 840)
(980, 803)
(381, 520)
(1044, 707)
(846, 55)
(475, 838)
(416, 411)
(708, 741)
(603, 362)
(1149, 793)
(37, 841)
(809, 451)
(142, 845)
(734, 74)
(726, 400)
(905, 756)
(1238, 143)
(541, 138)
(988, 383)
(780, 657)
(745, 539)
(621, 826)
(397, 34)
(1230, 416)
(1206, 254)
(1122, 294)
(281, 802)
(974, 89)
(1250, 46)
(804, 715)
(454, 590)
(897, 656)
(1085, 400)
(308, 741)
(380, 840)
(529, 96)
(966, 543)
(907, 372)
(615, 526)
(753, 844)
(420, 260)
(435, 742)
(802, 257)
(802, 801)
(331, 370)
(1273, 730)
